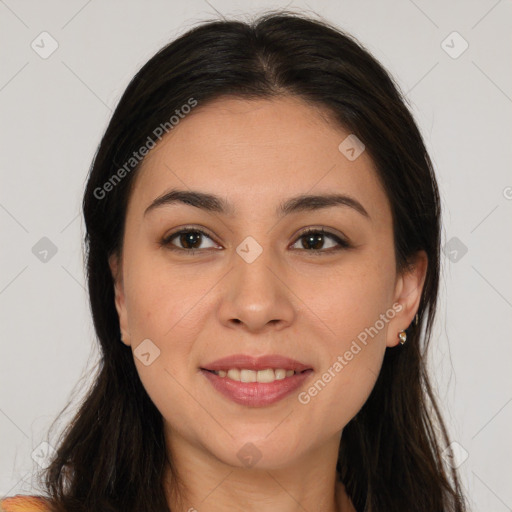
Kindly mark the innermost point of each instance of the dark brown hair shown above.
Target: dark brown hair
(112, 455)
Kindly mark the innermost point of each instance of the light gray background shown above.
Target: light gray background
(55, 110)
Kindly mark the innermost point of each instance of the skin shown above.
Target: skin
(198, 308)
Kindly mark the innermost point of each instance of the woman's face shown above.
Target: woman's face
(254, 286)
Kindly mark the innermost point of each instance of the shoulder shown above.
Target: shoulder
(22, 503)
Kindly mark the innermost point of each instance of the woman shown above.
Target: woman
(281, 366)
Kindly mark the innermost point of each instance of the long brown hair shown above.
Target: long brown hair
(112, 455)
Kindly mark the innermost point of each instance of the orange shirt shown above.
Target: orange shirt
(21, 503)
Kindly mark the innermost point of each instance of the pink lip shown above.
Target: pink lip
(256, 394)
(247, 362)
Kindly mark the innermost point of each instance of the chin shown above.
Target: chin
(262, 450)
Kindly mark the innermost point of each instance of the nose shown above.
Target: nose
(256, 296)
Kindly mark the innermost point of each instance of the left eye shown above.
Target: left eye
(314, 237)
(311, 240)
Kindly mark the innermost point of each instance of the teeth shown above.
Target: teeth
(268, 375)
(265, 376)
(280, 374)
(248, 376)
(234, 374)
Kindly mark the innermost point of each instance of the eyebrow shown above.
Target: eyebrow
(216, 204)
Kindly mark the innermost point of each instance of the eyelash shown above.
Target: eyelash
(342, 244)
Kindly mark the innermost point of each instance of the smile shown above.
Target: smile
(256, 394)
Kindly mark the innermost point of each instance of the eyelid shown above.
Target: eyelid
(324, 231)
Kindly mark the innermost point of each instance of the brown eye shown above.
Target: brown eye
(313, 240)
(189, 240)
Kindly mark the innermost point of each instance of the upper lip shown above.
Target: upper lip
(248, 362)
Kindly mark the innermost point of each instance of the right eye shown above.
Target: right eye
(189, 238)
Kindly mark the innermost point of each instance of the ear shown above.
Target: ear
(408, 289)
(115, 264)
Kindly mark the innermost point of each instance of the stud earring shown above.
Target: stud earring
(402, 335)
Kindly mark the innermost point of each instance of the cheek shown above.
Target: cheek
(166, 307)
(162, 299)
(353, 315)
(350, 299)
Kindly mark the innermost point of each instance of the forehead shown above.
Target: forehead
(257, 153)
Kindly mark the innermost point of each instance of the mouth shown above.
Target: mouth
(256, 382)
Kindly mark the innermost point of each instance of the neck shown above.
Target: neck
(206, 483)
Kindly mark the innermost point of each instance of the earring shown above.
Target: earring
(402, 335)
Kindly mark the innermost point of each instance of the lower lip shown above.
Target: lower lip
(256, 394)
